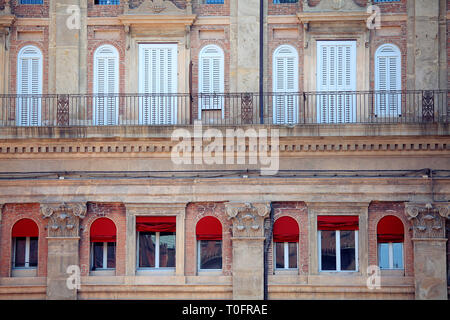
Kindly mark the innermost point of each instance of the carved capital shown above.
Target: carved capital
(428, 219)
(64, 218)
(248, 218)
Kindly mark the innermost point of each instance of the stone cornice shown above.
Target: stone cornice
(155, 208)
(6, 20)
(151, 20)
(307, 17)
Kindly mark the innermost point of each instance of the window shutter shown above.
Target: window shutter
(211, 78)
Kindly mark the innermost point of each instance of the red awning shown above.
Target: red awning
(390, 229)
(285, 229)
(25, 228)
(103, 230)
(156, 224)
(343, 223)
(209, 228)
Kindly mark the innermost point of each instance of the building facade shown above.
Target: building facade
(224, 149)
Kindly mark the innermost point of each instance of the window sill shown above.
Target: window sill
(24, 272)
(103, 273)
(210, 272)
(392, 272)
(155, 272)
(286, 272)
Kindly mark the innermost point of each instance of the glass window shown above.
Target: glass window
(285, 255)
(25, 252)
(390, 255)
(31, 1)
(347, 250)
(116, 2)
(210, 254)
(156, 250)
(103, 255)
(213, 1)
(338, 250)
(284, 1)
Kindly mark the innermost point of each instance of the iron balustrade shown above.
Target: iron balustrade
(368, 107)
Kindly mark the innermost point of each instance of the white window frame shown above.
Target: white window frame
(286, 256)
(28, 101)
(203, 54)
(277, 54)
(105, 257)
(391, 256)
(199, 256)
(27, 253)
(115, 56)
(338, 252)
(157, 245)
(398, 56)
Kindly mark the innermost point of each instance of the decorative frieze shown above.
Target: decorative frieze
(248, 218)
(428, 219)
(64, 218)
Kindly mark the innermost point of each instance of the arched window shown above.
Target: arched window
(285, 238)
(106, 85)
(29, 86)
(390, 238)
(285, 82)
(209, 243)
(388, 80)
(211, 79)
(103, 244)
(25, 235)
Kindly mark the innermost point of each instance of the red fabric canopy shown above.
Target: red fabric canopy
(25, 228)
(390, 229)
(343, 223)
(209, 228)
(103, 230)
(285, 229)
(156, 224)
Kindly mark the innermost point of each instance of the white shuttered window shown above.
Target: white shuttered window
(388, 79)
(211, 78)
(158, 83)
(106, 85)
(336, 71)
(285, 84)
(29, 86)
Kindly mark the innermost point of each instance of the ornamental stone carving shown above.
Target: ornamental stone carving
(334, 5)
(155, 7)
(428, 219)
(248, 218)
(64, 219)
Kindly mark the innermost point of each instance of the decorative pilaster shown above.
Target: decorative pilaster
(428, 221)
(248, 248)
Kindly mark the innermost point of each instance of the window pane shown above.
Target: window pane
(147, 249)
(383, 255)
(167, 250)
(111, 259)
(398, 255)
(97, 255)
(348, 261)
(210, 254)
(328, 245)
(279, 255)
(33, 251)
(20, 252)
(292, 255)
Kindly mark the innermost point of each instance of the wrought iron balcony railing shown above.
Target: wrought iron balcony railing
(390, 107)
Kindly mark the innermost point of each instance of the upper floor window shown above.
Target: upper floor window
(211, 78)
(213, 1)
(106, 83)
(103, 244)
(31, 1)
(285, 80)
(284, 1)
(156, 242)
(285, 238)
(116, 2)
(25, 236)
(338, 243)
(390, 238)
(386, 0)
(29, 86)
(388, 80)
(209, 243)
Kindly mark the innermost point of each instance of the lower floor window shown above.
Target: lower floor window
(103, 255)
(338, 250)
(210, 254)
(390, 255)
(156, 249)
(285, 255)
(25, 252)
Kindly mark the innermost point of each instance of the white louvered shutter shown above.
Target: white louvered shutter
(29, 85)
(336, 65)
(388, 81)
(158, 83)
(211, 78)
(106, 85)
(285, 73)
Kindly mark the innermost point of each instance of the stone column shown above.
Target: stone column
(63, 246)
(248, 248)
(429, 240)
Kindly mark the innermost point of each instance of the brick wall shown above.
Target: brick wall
(378, 210)
(284, 8)
(117, 213)
(11, 214)
(202, 9)
(103, 10)
(30, 10)
(194, 212)
(299, 212)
